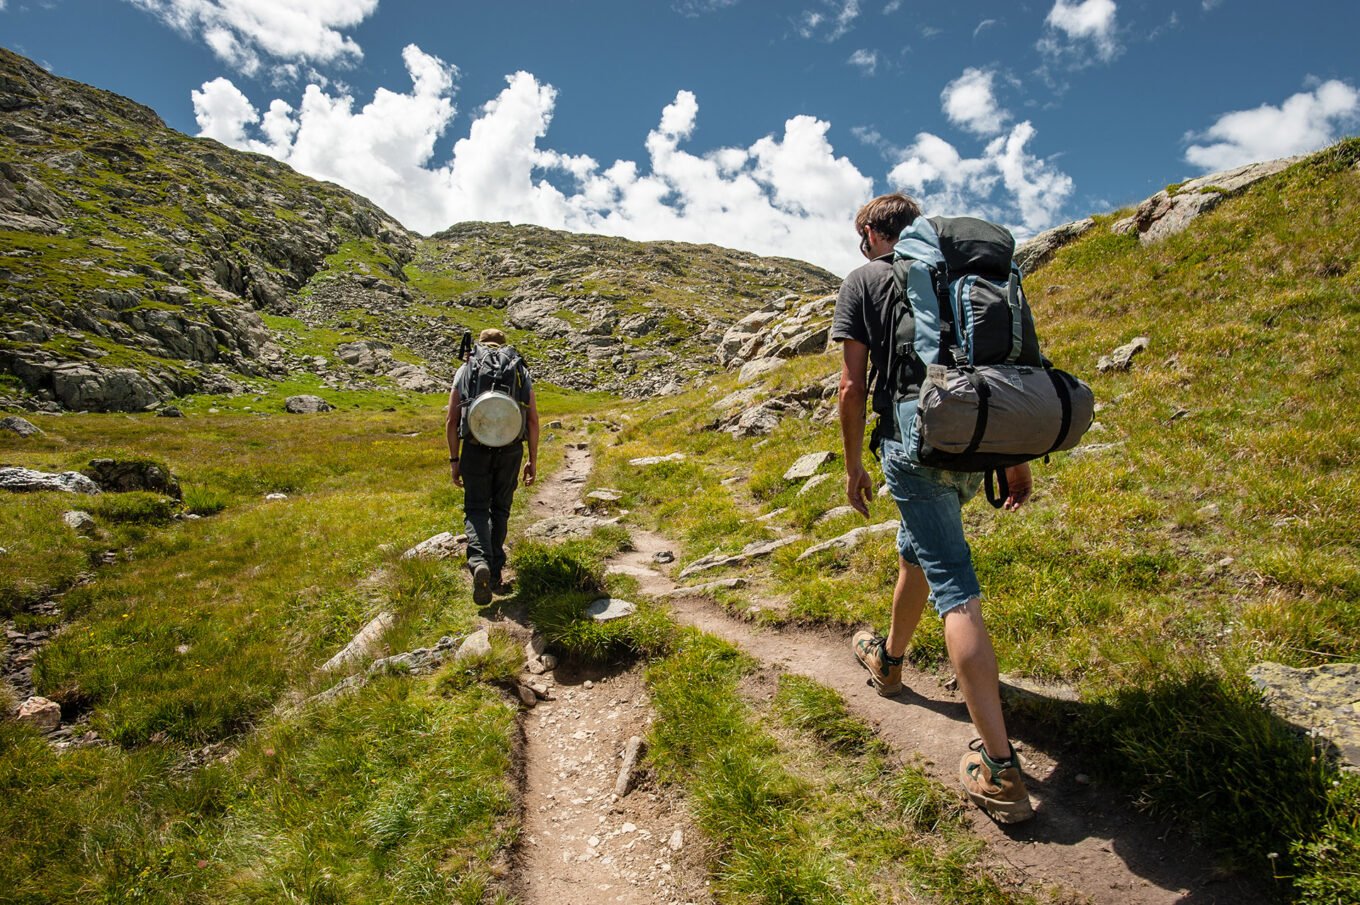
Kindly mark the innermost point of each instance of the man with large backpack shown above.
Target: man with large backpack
(492, 413)
(895, 314)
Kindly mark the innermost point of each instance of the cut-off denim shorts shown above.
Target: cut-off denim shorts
(931, 533)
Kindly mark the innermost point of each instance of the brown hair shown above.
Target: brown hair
(887, 215)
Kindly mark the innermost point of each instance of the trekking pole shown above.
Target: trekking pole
(465, 347)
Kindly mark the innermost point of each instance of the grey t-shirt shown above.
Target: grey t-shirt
(861, 307)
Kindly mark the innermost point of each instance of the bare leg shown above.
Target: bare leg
(909, 601)
(971, 653)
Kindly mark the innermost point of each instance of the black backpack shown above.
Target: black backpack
(494, 368)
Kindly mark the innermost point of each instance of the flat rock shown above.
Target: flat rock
(607, 609)
(707, 588)
(306, 405)
(1036, 252)
(849, 540)
(24, 480)
(563, 526)
(657, 460)
(1323, 701)
(604, 495)
(806, 466)
(835, 513)
(364, 644)
(813, 482)
(749, 552)
(21, 426)
(127, 475)
(441, 546)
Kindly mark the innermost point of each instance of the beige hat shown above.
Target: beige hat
(492, 335)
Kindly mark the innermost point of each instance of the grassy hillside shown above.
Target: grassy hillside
(1209, 525)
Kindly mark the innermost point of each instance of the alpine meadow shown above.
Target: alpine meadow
(242, 662)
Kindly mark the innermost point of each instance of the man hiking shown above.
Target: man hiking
(934, 561)
(492, 413)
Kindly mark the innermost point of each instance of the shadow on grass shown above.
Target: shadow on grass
(1199, 754)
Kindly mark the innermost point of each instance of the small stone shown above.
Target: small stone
(169, 412)
(587, 684)
(555, 425)
(306, 405)
(677, 841)
(182, 649)
(806, 466)
(476, 644)
(276, 496)
(40, 712)
(78, 520)
(663, 556)
(535, 666)
(526, 695)
(549, 661)
(657, 460)
(607, 609)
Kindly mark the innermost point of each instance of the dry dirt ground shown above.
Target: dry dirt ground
(1085, 843)
(582, 844)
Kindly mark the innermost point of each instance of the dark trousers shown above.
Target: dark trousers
(489, 479)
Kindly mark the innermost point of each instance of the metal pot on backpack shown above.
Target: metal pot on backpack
(495, 419)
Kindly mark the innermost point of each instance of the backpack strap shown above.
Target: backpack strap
(951, 353)
(1065, 398)
(1017, 315)
(998, 496)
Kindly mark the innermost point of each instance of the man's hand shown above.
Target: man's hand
(1020, 482)
(530, 473)
(859, 489)
(457, 475)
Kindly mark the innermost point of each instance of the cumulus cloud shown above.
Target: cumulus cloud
(970, 103)
(1076, 28)
(785, 194)
(1305, 122)
(831, 22)
(1006, 184)
(244, 33)
(866, 60)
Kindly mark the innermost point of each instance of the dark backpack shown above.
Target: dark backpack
(971, 389)
(494, 368)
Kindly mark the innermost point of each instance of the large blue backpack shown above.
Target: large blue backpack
(972, 391)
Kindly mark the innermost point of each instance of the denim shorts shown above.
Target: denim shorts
(931, 533)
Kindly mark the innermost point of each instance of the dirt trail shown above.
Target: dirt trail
(1084, 840)
(581, 843)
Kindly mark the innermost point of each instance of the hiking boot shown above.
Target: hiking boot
(481, 584)
(997, 788)
(885, 673)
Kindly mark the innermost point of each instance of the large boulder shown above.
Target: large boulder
(306, 405)
(15, 425)
(125, 475)
(23, 480)
(85, 387)
(1171, 210)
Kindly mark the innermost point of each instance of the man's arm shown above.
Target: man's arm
(451, 420)
(531, 469)
(859, 488)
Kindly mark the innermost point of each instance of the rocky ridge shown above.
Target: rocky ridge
(138, 264)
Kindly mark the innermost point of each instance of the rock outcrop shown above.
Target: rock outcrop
(1171, 210)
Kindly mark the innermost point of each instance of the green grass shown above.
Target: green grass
(799, 800)
(1110, 579)
(203, 628)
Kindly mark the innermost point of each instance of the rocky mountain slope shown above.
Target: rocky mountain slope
(138, 264)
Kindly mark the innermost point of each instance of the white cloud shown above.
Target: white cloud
(866, 60)
(695, 8)
(784, 194)
(829, 25)
(892, 7)
(1305, 122)
(1005, 184)
(982, 26)
(243, 32)
(1075, 27)
(969, 103)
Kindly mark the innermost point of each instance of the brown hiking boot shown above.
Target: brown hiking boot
(885, 673)
(997, 788)
(481, 584)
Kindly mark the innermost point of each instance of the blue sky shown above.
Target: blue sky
(759, 125)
